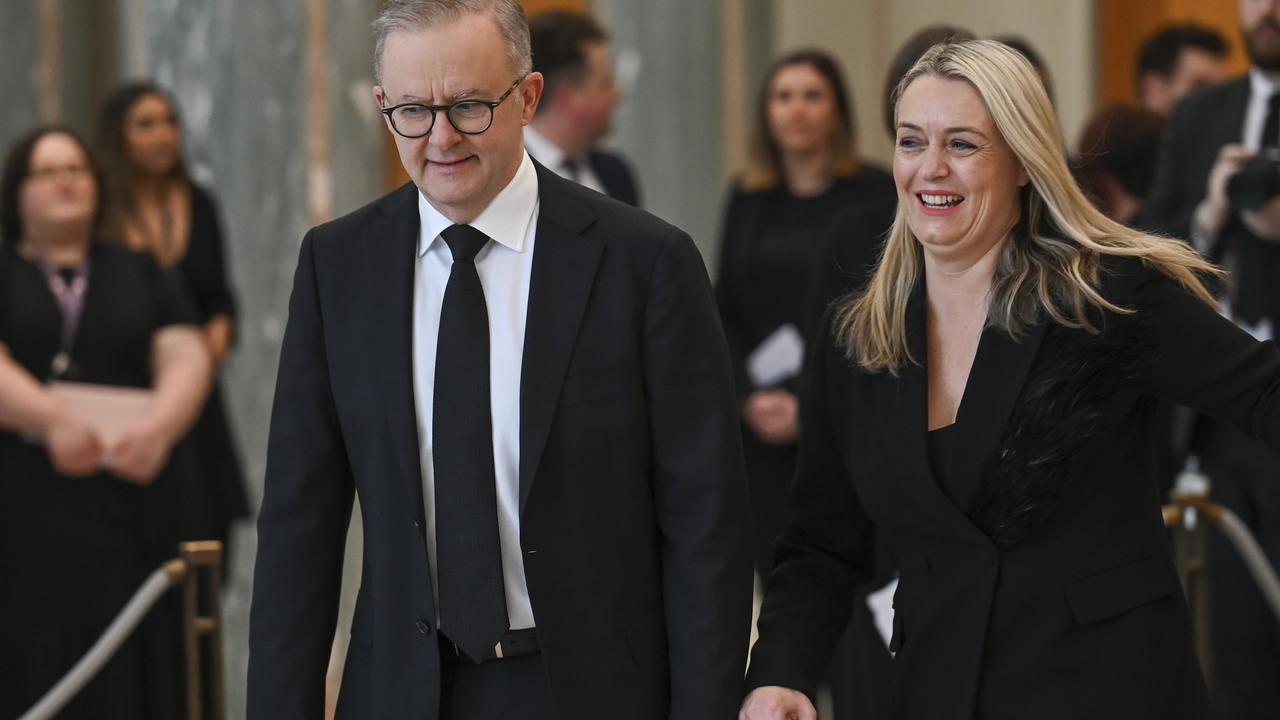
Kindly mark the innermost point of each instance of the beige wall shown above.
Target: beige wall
(865, 33)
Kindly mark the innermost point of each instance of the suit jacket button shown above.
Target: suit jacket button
(417, 523)
(424, 627)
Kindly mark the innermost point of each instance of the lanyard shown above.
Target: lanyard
(70, 296)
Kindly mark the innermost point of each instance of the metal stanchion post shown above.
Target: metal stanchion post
(1191, 553)
(1189, 519)
(202, 592)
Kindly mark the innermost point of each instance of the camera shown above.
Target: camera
(1257, 182)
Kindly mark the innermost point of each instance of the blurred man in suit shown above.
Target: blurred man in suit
(571, 51)
(1213, 135)
(1177, 61)
(526, 384)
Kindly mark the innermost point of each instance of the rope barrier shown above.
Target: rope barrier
(1254, 558)
(199, 626)
(1234, 529)
(170, 574)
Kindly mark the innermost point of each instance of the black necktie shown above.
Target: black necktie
(473, 606)
(1271, 130)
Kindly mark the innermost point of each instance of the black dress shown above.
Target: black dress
(770, 263)
(214, 496)
(73, 550)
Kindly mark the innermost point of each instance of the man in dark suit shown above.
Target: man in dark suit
(526, 385)
(571, 51)
(1212, 134)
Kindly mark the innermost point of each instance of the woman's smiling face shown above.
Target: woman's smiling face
(958, 181)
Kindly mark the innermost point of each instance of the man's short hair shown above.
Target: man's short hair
(557, 39)
(1161, 52)
(422, 14)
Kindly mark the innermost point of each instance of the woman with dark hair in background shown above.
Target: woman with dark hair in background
(82, 507)
(803, 172)
(1116, 160)
(153, 206)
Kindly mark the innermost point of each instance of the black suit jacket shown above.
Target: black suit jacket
(634, 519)
(1199, 127)
(1049, 592)
(616, 176)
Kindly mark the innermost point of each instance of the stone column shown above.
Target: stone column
(245, 74)
(19, 35)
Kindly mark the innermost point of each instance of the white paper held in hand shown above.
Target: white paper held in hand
(881, 604)
(777, 358)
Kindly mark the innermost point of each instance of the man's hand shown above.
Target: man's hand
(777, 703)
(73, 446)
(1214, 210)
(773, 415)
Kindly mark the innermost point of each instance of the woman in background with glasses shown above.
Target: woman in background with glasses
(80, 513)
(154, 207)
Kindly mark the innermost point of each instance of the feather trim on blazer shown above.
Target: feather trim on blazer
(1058, 413)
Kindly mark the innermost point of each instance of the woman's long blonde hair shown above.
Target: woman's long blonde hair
(1050, 264)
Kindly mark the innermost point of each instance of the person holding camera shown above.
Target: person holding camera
(1218, 185)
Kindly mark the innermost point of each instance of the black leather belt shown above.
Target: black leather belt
(515, 643)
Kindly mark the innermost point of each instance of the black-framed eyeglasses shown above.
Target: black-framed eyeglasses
(469, 117)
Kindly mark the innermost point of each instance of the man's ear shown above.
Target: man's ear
(531, 94)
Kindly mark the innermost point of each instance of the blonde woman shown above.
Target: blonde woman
(977, 405)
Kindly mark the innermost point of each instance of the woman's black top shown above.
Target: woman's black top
(772, 246)
(73, 550)
(204, 265)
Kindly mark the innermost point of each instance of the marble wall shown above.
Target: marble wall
(245, 76)
(668, 58)
(19, 76)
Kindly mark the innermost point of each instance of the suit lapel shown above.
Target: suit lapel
(1000, 369)
(389, 249)
(1230, 122)
(903, 410)
(999, 372)
(564, 267)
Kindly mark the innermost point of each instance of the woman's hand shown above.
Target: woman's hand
(777, 703)
(217, 337)
(773, 415)
(73, 446)
(141, 452)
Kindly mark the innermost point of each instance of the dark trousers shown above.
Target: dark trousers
(1245, 478)
(505, 689)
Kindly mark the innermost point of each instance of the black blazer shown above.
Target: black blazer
(1049, 593)
(634, 520)
(616, 176)
(1199, 127)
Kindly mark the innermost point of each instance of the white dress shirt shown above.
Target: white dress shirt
(554, 159)
(504, 266)
(1261, 88)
